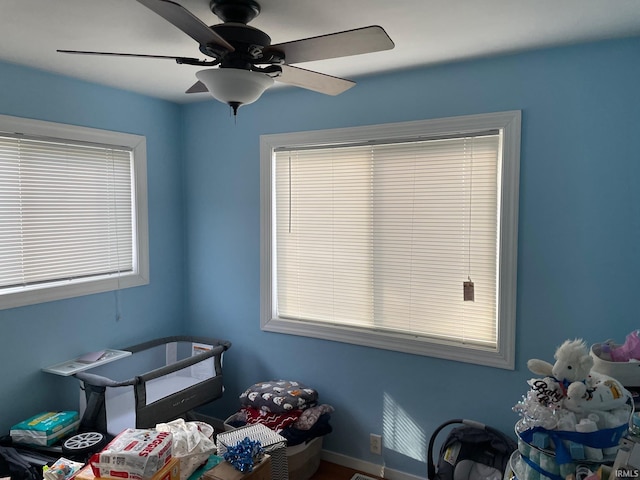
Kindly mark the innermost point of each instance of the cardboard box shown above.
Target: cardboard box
(226, 471)
(274, 444)
(171, 471)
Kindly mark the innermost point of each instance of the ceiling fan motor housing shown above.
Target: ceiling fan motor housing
(238, 11)
(249, 44)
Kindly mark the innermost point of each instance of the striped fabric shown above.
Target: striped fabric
(275, 421)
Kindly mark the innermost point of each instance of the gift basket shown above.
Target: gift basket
(570, 417)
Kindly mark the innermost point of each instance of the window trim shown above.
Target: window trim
(64, 289)
(508, 123)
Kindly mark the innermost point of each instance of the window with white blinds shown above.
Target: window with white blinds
(69, 212)
(395, 241)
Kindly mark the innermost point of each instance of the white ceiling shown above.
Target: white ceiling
(425, 32)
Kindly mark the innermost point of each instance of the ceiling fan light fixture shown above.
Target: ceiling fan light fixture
(234, 86)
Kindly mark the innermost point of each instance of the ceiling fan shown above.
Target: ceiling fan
(245, 63)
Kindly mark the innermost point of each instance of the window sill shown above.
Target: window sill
(502, 358)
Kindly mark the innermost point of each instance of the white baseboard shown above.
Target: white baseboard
(367, 467)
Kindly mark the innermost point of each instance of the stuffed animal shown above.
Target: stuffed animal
(572, 367)
(573, 363)
(539, 367)
(582, 389)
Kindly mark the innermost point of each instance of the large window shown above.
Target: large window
(399, 236)
(73, 211)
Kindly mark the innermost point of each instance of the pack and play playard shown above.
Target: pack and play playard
(127, 396)
(149, 383)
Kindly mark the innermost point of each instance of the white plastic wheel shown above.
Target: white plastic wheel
(84, 443)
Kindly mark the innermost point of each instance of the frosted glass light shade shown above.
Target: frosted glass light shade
(234, 86)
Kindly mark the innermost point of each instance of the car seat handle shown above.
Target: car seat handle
(474, 424)
(431, 467)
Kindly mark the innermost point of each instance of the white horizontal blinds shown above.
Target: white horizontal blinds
(324, 235)
(65, 211)
(383, 236)
(435, 227)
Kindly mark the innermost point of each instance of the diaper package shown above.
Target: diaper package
(45, 428)
(134, 454)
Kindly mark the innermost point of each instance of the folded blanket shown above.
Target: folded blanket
(275, 421)
(295, 436)
(279, 396)
(310, 416)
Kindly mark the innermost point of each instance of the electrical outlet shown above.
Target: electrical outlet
(375, 443)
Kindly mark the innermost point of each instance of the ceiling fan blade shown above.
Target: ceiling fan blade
(115, 54)
(318, 82)
(187, 22)
(341, 44)
(197, 87)
(180, 60)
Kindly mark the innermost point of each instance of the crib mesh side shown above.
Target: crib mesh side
(177, 404)
(174, 389)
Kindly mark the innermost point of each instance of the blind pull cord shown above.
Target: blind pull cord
(468, 292)
(289, 192)
(118, 313)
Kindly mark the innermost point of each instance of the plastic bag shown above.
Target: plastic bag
(190, 444)
(62, 469)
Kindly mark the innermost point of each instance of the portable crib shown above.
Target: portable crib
(161, 380)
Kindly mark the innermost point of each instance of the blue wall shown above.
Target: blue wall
(41, 335)
(578, 243)
(578, 238)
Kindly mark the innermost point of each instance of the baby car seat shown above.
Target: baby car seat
(472, 451)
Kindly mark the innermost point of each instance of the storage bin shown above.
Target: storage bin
(303, 460)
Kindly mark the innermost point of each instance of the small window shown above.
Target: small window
(73, 211)
(399, 236)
